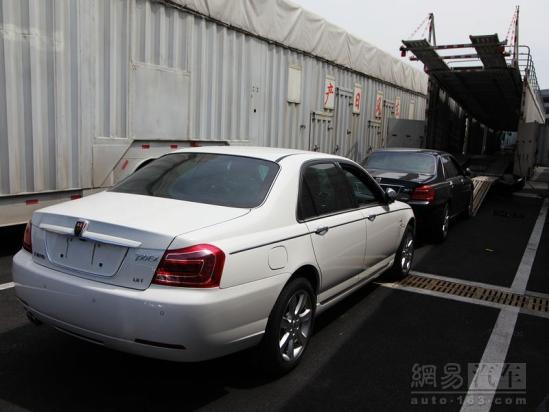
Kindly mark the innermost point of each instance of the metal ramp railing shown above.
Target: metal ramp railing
(481, 186)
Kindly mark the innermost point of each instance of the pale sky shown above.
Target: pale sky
(385, 23)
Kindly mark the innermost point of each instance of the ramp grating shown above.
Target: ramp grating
(527, 302)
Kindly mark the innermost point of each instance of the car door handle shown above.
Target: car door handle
(322, 230)
(371, 218)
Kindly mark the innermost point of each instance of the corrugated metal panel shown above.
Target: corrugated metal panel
(37, 96)
(111, 66)
(160, 35)
(57, 57)
(71, 77)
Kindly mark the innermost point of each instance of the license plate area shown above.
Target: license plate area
(84, 255)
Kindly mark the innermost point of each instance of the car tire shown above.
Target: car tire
(469, 210)
(404, 255)
(441, 224)
(289, 328)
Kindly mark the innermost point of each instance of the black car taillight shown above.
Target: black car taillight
(27, 237)
(425, 193)
(197, 266)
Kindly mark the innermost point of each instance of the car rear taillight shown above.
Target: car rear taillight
(197, 266)
(27, 237)
(424, 192)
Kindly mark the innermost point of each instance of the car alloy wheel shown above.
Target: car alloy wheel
(289, 328)
(407, 254)
(440, 225)
(470, 207)
(445, 222)
(295, 327)
(404, 255)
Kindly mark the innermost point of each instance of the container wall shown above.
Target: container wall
(63, 83)
(75, 74)
(543, 146)
(38, 96)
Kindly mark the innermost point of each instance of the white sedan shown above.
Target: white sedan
(207, 251)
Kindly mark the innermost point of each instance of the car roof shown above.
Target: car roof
(266, 153)
(412, 150)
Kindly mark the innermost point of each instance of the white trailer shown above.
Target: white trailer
(92, 89)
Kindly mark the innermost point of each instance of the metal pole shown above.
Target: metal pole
(431, 39)
(434, 43)
(516, 45)
(451, 46)
(466, 138)
(484, 139)
(430, 30)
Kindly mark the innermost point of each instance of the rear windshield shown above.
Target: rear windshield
(420, 163)
(214, 179)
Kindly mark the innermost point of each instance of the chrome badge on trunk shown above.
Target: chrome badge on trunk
(80, 226)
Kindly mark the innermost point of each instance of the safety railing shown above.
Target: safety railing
(525, 63)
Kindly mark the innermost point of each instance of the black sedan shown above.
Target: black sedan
(431, 181)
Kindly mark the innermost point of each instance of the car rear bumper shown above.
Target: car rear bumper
(425, 208)
(426, 213)
(161, 322)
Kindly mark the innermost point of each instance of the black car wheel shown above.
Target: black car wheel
(289, 328)
(441, 224)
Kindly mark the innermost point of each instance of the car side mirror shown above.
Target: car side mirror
(390, 195)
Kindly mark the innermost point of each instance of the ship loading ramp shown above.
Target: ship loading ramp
(475, 97)
(479, 92)
(491, 91)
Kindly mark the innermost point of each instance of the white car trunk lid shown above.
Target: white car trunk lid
(123, 236)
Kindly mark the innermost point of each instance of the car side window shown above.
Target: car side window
(363, 189)
(449, 168)
(324, 190)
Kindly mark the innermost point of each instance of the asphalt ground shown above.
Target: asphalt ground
(488, 247)
(379, 349)
(530, 345)
(539, 279)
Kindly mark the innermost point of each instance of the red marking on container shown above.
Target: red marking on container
(32, 202)
(145, 146)
(125, 164)
(75, 197)
(195, 144)
(173, 146)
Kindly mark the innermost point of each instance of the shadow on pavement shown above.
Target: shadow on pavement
(51, 371)
(10, 239)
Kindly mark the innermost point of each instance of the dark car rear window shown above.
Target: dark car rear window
(214, 179)
(407, 162)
